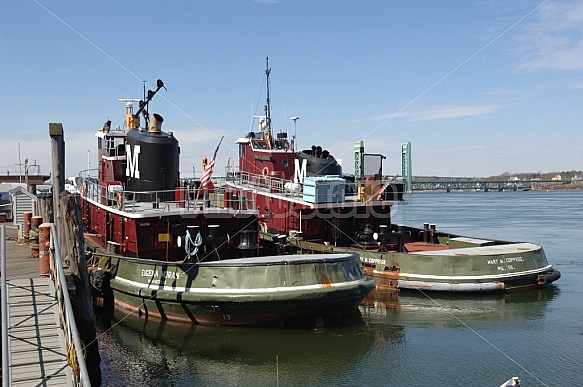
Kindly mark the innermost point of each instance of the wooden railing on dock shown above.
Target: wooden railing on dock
(30, 322)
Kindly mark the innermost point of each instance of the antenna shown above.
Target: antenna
(19, 165)
(294, 119)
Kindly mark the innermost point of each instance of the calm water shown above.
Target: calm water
(411, 339)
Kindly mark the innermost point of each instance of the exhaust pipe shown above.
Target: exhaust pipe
(155, 123)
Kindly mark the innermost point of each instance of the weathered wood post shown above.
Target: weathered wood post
(67, 219)
(58, 177)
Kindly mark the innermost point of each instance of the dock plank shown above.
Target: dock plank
(37, 347)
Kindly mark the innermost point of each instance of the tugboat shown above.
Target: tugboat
(177, 249)
(307, 205)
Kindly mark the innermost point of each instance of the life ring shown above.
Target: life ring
(119, 201)
(84, 189)
(265, 171)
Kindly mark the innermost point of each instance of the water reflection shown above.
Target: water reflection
(145, 352)
(403, 339)
(430, 308)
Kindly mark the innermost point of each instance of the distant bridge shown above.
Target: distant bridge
(480, 185)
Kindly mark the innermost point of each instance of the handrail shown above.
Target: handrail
(96, 192)
(66, 310)
(288, 188)
(5, 353)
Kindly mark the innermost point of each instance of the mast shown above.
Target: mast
(268, 107)
(144, 104)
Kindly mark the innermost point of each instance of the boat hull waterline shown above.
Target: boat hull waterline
(247, 291)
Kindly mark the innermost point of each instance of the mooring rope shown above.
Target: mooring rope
(191, 246)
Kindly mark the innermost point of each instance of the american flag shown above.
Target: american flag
(205, 178)
(381, 191)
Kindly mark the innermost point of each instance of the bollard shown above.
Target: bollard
(401, 231)
(425, 232)
(34, 250)
(27, 217)
(44, 242)
(35, 222)
(432, 233)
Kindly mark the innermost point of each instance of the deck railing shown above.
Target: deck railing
(290, 189)
(275, 185)
(5, 354)
(68, 324)
(185, 198)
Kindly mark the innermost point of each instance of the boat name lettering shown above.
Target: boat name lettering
(263, 157)
(170, 274)
(149, 273)
(497, 261)
(165, 274)
(372, 260)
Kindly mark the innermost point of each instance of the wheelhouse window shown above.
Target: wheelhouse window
(281, 144)
(260, 144)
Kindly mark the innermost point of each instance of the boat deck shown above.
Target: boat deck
(511, 248)
(416, 247)
(36, 343)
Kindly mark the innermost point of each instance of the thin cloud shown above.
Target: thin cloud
(438, 113)
(452, 111)
(555, 41)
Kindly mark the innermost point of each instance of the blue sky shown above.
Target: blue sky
(478, 87)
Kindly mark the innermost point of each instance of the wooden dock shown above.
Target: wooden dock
(37, 350)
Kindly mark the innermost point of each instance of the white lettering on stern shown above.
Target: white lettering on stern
(507, 261)
(153, 275)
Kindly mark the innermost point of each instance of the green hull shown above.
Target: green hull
(497, 267)
(246, 291)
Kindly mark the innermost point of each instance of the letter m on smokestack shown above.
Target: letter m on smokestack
(133, 169)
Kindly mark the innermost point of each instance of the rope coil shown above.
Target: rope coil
(72, 357)
(191, 246)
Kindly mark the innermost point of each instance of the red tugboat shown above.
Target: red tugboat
(307, 205)
(165, 248)
(139, 207)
